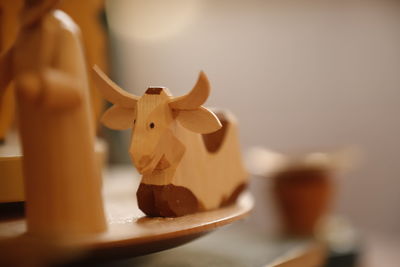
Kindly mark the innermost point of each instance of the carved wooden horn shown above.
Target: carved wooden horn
(111, 91)
(195, 98)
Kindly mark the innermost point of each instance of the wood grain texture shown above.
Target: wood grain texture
(200, 120)
(168, 148)
(119, 118)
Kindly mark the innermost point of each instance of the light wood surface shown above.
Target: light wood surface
(129, 231)
(170, 147)
(11, 177)
(61, 176)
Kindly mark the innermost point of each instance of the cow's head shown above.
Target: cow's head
(152, 115)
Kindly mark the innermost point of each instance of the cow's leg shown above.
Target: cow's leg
(166, 200)
(146, 200)
(179, 201)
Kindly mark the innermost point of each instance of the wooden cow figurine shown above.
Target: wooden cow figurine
(188, 156)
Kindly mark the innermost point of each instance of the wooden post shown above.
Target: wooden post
(62, 181)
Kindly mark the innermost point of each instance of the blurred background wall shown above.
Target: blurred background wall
(298, 75)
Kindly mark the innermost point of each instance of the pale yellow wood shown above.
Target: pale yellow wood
(111, 91)
(61, 177)
(168, 149)
(196, 97)
(199, 120)
(119, 118)
(128, 229)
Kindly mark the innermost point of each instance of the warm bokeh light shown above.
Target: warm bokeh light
(151, 20)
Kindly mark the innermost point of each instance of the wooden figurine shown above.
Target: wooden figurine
(62, 181)
(87, 15)
(188, 156)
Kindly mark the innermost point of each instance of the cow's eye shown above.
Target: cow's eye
(152, 125)
(134, 121)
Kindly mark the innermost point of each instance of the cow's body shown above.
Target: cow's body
(211, 179)
(189, 161)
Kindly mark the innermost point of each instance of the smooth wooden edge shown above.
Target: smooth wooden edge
(107, 246)
(244, 205)
(133, 247)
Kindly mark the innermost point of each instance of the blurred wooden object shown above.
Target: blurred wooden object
(11, 178)
(8, 33)
(189, 161)
(303, 184)
(7, 108)
(87, 15)
(62, 180)
(130, 233)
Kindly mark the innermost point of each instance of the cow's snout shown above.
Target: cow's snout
(144, 161)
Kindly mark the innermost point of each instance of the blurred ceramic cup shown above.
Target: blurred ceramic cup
(303, 184)
(303, 196)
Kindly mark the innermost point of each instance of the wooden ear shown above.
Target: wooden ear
(200, 120)
(119, 118)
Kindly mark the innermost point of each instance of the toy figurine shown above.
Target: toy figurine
(189, 157)
(62, 181)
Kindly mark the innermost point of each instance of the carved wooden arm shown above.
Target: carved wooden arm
(50, 88)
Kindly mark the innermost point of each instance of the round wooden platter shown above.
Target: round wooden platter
(130, 233)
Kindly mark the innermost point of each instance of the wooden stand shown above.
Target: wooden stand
(129, 231)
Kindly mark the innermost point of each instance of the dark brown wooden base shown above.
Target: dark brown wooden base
(173, 201)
